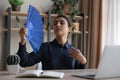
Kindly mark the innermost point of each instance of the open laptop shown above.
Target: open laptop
(109, 66)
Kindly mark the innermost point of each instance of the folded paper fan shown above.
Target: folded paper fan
(35, 28)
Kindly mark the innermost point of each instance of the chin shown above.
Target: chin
(58, 34)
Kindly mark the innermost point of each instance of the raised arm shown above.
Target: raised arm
(26, 59)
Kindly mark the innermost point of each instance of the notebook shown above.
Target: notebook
(109, 66)
(41, 74)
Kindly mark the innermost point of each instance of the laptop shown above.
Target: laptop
(109, 66)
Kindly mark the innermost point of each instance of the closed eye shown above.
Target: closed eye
(61, 22)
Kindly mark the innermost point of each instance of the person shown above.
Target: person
(57, 54)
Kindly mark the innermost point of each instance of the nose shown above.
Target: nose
(58, 24)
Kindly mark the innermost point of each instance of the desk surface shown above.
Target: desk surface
(68, 75)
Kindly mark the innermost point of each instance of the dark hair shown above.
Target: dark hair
(68, 21)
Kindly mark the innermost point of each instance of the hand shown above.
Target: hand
(23, 33)
(75, 53)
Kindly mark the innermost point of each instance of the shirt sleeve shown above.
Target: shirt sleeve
(28, 59)
(78, 65)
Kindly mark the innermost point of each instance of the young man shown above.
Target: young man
(57, 54)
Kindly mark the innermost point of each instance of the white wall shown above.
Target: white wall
(43, 4)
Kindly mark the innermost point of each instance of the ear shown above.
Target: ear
(70, 29)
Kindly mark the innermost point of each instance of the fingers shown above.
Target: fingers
(23, 29)
(74, 52)
(23, 33)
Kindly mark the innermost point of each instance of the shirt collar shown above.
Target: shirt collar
(67, 45)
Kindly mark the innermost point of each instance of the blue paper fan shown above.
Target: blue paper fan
(35, 28)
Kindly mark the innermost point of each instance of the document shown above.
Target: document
(41, 73)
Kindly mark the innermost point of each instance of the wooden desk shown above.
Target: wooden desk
(68, 75)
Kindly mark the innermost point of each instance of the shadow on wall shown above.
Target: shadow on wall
(39, 4)
(4, 4)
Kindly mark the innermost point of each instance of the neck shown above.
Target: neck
(61, 41)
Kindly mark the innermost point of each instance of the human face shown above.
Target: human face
(60, 27)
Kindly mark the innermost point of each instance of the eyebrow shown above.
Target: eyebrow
(59, 21)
